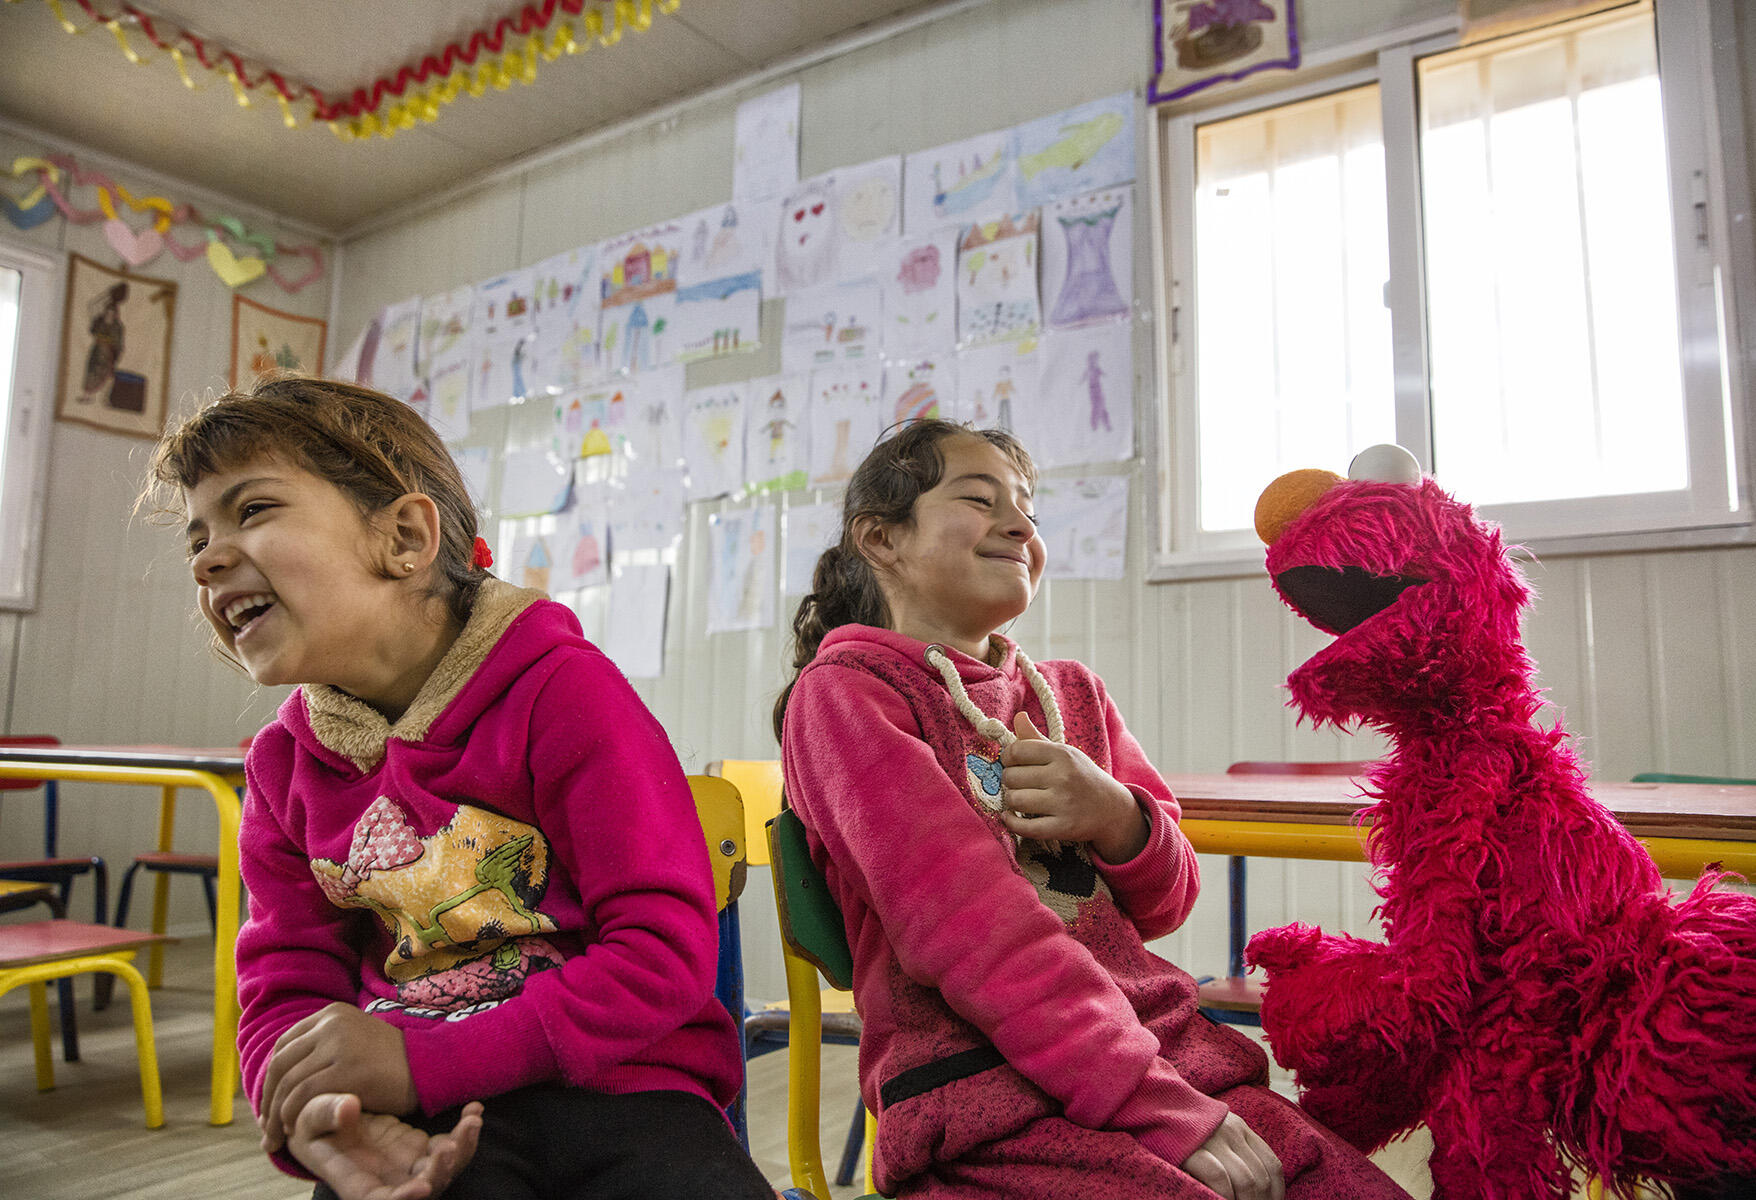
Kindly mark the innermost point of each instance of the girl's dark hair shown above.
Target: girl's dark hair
(844, 586)
(373, 447)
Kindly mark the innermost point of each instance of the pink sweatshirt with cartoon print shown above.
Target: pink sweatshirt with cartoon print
(513, 875)
(998, 982)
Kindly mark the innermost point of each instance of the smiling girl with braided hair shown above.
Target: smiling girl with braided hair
(1000, 848)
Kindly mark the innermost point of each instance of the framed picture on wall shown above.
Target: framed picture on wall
(265, 339)
(115, 349)
(1198, 43)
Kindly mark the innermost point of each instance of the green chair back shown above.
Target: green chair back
(810, 919)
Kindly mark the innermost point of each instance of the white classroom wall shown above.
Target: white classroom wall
(1651, 656)
(114, 651)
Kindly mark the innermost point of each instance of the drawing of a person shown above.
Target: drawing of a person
(1093, 375)
(106, 342)
(777, 439)
(777, 426)
(1003, 393)
(637, 325)
(518, 356)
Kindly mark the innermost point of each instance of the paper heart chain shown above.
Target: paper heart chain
(35, 207)
(139, 248)
(392, 103)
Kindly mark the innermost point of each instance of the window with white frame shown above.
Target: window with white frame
(29, 319)
(1496, 255)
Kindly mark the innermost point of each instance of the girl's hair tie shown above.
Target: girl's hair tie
(481, 558)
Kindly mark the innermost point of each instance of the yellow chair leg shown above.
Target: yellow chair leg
(161, 886)
(39, 1036)
(805, 1034)
(117, 963)
(870, 1150)
(145, 1045)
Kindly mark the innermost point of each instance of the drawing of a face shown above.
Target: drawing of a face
(919, 271)
(806, 249)
(868, 209)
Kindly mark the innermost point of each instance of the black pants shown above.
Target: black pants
(558, 1143)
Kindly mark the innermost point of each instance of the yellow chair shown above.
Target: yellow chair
(771, 1027)
(38, 951)
(813, 940)
(721, 812)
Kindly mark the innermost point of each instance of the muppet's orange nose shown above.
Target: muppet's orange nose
(1283, 500)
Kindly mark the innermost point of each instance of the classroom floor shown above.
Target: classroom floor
(88, 1136)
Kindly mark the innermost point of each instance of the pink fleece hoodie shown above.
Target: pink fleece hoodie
(513, 874)
(997, 982)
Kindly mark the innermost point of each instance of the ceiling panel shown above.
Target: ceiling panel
(82, 89)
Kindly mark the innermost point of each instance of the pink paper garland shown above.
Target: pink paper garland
(182, 214)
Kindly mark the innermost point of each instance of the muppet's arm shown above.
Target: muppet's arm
(1340, 1011)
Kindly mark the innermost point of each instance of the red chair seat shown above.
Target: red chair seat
(47, 941)
(173, 860)
(1230, 995)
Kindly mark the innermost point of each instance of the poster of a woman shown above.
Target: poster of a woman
(115, 349)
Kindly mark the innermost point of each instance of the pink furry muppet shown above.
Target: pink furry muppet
(1540, 1001)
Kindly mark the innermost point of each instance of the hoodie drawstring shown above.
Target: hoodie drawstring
(991, 727)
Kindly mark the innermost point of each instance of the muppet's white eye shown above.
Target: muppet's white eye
(1384, 464)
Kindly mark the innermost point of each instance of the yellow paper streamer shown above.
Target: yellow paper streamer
(182, 67)
(516, 64)
(69, 26)
(122, 40)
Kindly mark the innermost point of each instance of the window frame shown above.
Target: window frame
(29, 421)
(1706, 165)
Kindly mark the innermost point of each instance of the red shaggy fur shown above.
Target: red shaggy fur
(1541, 1000)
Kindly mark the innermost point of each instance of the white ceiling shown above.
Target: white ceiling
(83, 89)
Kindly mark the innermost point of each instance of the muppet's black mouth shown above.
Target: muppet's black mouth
(1336, 600)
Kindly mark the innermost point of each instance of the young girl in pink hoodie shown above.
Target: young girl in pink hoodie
(481, 915)
(1000, 848)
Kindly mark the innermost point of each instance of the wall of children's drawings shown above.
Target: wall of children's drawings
(988, 281)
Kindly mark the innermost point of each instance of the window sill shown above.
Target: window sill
(1242, 564)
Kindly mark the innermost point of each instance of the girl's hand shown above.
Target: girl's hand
(374, 1156)
(1055, 793)
(1237, 1163)
(338, 1048)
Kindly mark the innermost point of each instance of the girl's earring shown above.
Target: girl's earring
(408, 566)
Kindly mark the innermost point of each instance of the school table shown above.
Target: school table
(1684, 826)
(218, 772)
